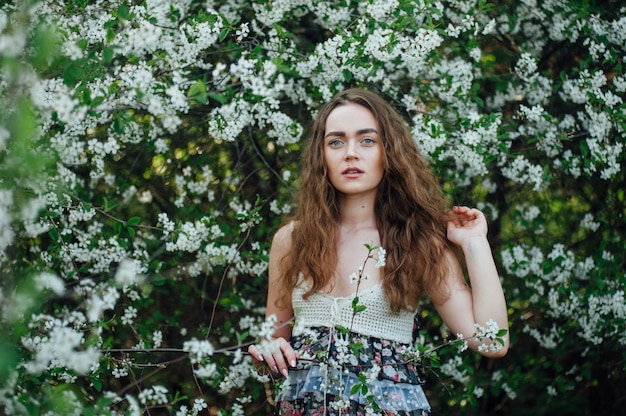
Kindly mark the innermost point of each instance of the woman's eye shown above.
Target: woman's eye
(368, 140)
(334, 143)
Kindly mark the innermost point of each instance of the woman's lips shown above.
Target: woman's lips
(352, 172)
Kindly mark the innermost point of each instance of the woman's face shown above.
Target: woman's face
(353, 151)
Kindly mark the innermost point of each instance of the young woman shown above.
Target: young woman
(344, 337)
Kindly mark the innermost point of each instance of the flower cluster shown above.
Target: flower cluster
(198, 350)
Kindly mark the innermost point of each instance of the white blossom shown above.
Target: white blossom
(120, 372)
(206, 370)
(51, 282)
(198, 349)
(129, 315)
(199, 405)
(381, 258)
(379, 9)
(243, 31)
(589, 223)
(128, 273)
(153, 395)
(62, 348)
(526, 67)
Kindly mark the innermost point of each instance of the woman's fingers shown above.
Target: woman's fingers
(465, 223)
(254, 352)
(457, 215)
(277, 354)
(461, 215)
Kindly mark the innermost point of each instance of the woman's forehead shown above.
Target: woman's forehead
(350, 117)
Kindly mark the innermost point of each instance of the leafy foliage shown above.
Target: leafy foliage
(149, 149)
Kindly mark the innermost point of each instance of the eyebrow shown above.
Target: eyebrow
(343, 133)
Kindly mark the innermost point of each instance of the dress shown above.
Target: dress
(353, 363)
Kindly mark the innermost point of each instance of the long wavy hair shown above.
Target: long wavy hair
(410, 213)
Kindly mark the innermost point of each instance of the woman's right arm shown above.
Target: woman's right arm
(277, 353)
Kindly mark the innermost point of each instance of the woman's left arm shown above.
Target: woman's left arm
(484, 301)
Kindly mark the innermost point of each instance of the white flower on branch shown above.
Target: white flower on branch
(98, 303)
(129, 273)
(129, 315)
(154, 395)
(242, 32)
(521, 170)
(526, 67)
(206, 370)
(588, 222)
(198, 350)
(199, 405)
(6, 231)
(380, 9)
(61, 348)
(51, 282)
(381, 258)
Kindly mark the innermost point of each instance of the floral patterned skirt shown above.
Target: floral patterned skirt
(352, 374)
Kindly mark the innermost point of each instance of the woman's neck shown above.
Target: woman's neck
(357, 211)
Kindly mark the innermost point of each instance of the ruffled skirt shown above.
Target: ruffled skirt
(352, 374)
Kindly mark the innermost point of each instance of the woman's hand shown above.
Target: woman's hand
(465, 223)
(277, 354)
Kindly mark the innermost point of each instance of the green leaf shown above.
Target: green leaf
(159, 281)
(342, 329)
(54, 234)
(547, 268)
(97, 384)
(110, 35)
(217, 97)
(73, 73)
(118, 126)
(96, 101)
(197, 92)
(356, 347)
(109, 205)
(107, 55)
(124, 12)
(133, 221)
(223, 34)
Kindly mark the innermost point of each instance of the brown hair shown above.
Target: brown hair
(410, 212)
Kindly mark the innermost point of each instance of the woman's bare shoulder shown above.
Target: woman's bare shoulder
(282, 237)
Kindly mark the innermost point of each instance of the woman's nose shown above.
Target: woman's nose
(351, 151)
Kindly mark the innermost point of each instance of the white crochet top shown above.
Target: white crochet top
(377, 320)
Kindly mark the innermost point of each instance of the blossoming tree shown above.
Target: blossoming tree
(149, 149)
